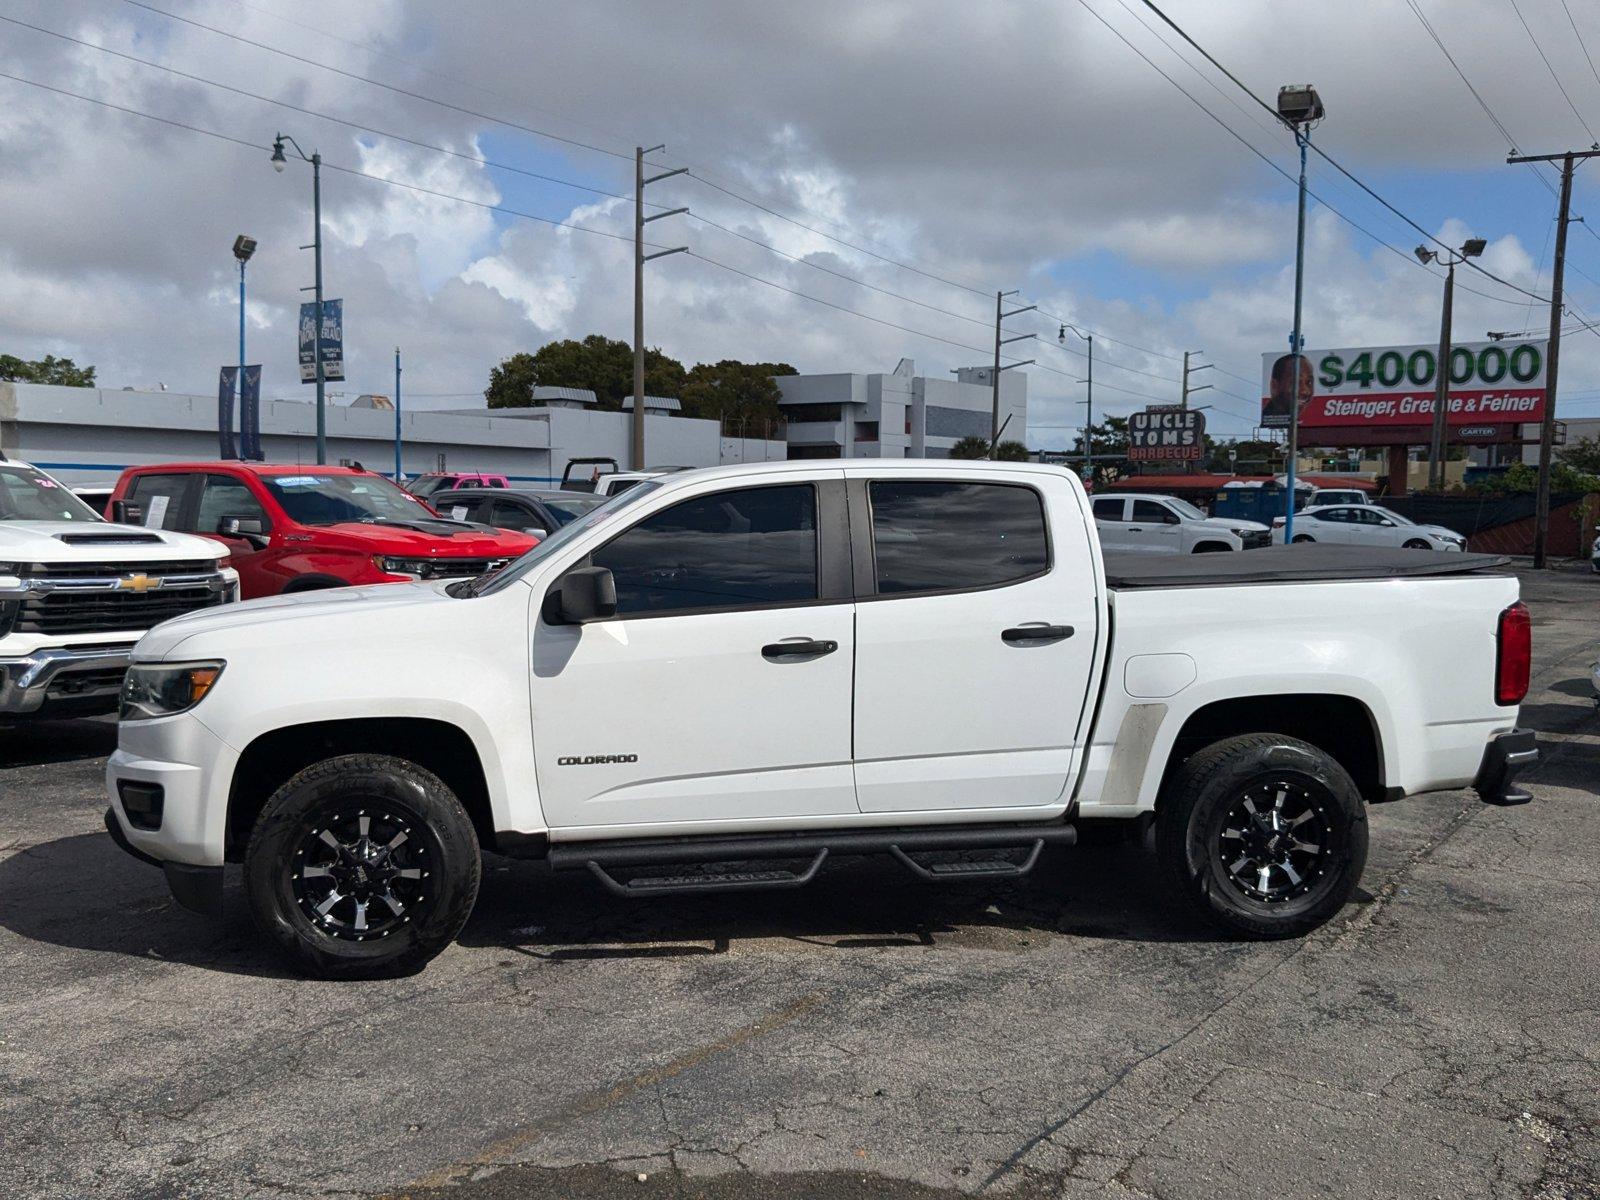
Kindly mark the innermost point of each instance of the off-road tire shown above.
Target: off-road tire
(1205, 793)
(440, 838)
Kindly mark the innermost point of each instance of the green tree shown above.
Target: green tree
(733, 391)
(1583, 455)
(1011, 452)
(970, 447)
(604, 366)
(511, 384)
(1108, 442)
(60, 371)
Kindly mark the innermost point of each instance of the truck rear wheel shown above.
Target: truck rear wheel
(362, 866)
(1266, 835)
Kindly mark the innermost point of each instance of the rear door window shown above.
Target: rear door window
(936, 536)
(162, 497)
(1108, 509)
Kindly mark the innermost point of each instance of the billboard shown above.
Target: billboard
(1166, 434)
(1392, 388)
(332, 341)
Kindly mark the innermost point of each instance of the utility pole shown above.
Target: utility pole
(1188, 370)
(1000, 315)
(1088, 415)
(1547, 430)
(639, 259)
(399, 475)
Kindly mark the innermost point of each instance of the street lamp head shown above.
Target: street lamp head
(243, 247)
(1474, 247)
(278, 160)
(1424, 255)
(1299, 104)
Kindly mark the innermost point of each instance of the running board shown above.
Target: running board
(602, 859)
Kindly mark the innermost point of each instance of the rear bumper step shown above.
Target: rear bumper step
(601, 859)
(1505, 755)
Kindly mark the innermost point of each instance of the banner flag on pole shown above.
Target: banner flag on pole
(250, 415)
(225, 385)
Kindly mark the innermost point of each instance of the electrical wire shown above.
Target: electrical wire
(1556, 79)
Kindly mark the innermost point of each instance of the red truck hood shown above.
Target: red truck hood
(463, 541)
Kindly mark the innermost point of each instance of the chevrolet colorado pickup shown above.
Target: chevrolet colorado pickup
(76, 592)
(721, 679)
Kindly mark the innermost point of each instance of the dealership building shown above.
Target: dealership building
(86, 436)
(898, 414)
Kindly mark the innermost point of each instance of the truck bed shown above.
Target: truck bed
(1307, 562)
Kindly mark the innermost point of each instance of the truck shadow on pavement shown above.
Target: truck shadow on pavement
(82, 893)
(40, 742)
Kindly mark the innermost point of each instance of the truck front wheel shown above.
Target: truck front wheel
(1266, 835)
(362, 866)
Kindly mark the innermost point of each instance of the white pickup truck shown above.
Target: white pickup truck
(76, 592)
(1149, 524)
(721, 679)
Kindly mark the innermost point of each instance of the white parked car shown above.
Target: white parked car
(1594, 553)
(1322, 497)
(1367, 525)
(916, 657)
(1144, 524)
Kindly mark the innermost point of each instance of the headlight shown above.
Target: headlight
(159, 690)
(421, 568)
(1243, 533)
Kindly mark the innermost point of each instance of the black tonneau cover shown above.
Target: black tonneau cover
(1309, 561)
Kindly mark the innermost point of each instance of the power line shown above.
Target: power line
(1553, 76)
(1178, 29)
(1577, 34)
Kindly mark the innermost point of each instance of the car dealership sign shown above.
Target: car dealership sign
(1491, 383)
(1166, 434)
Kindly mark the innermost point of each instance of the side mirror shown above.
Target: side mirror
(1386, 523)
(127, 512)
(535, 531)
(240, 526)
(583, 594)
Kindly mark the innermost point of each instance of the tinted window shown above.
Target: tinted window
(459, 508)
(1332, 514)
(571, 506)
(1108, 510)
(727, 550)
(509, 514)
(930, 535)
(1152, 513)
(313, 499)
(225, 497)
(162, 498)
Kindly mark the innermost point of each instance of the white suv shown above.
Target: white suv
(1146, 524)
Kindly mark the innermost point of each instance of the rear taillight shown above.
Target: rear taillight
(1513, 655)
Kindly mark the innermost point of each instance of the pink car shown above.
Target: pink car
(425, 486)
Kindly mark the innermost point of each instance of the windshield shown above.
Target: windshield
(29, 495)
(569, 506)
(312, 499)
(1391, 514)
(605, 511)
(1186, 509)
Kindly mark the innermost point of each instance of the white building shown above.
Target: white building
(899, 414)
(86, 436)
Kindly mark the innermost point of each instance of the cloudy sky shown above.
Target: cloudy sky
(851, 159)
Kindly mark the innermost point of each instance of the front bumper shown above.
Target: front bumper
(1504, 756)
(85, 679)
(199, 889)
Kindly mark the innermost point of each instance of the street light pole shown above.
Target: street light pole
(1439, 441)
(315, 159)
(1299, 107)
(398, 473)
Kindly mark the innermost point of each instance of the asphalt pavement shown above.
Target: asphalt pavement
(1073, 1034)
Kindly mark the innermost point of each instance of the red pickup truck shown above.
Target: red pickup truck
(296, 528)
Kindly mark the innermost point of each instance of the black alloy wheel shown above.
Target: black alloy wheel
(363, 872)
(1273, 841)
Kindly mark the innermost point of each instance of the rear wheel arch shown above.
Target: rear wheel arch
(1340, 725)
(275, 757)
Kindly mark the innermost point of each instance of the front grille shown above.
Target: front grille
(455, 568)
(110, 570)
(1256, 539)
(101, 611)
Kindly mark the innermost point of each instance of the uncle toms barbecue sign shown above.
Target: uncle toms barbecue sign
(1490, 382)
(1166, 434)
